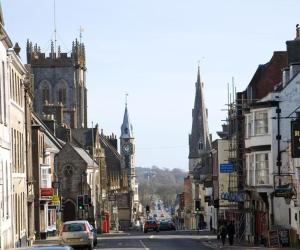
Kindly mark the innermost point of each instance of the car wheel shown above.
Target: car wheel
(145, 231)
(157, 230)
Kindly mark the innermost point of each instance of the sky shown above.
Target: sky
(150, 49)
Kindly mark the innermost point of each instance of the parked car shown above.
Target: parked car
(77, 234)
(167, 225)
(151, 225)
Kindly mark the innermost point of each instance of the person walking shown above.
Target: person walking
(231, 232)
(223, 232)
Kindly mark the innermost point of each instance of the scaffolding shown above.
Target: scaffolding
(236, 149)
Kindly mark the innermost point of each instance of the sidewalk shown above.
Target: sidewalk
(217, 244)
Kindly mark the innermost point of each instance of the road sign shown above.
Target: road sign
(226, 168)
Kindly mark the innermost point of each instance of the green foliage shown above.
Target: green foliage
(164, 183)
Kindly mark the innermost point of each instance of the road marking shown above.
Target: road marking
(144, 246)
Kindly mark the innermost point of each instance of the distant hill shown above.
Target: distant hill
(165, 183)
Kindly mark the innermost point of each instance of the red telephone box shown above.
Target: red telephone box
(105, 223)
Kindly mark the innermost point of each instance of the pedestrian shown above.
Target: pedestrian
(223, 232)
(231, 232)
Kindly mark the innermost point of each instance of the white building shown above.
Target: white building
(6, 230)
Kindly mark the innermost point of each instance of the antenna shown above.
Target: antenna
(54, 18)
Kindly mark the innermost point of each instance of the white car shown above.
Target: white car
(78, 233)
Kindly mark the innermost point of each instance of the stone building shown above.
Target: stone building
(17, 74)
(199, 166)
(60, 84)
(77, 173)
(127, 149)
(89, 139)
(45, 148)
(6, 227)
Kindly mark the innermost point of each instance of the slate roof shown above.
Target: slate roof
(85, 156)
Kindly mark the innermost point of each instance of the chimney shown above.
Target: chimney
(293, 48)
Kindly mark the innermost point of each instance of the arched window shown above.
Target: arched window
(45, 94)
(62, 95)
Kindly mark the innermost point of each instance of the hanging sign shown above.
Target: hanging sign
(295, 138)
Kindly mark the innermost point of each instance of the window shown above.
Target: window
(62, 95)
(248, 126)
(68, 171)
(4, 93)
(250, 170)
(45, 177)
(45, 94)
(261, 123)
(262, 168)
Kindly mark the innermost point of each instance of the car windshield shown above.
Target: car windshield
(74, 227)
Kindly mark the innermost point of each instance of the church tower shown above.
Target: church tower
(128, 147)
(199, 139)
(60, 84)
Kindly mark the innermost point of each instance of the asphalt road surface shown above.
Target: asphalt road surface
(154, 241)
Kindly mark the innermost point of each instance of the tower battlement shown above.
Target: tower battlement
(56, 59)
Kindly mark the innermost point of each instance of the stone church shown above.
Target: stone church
(60, 84)
(199, 165)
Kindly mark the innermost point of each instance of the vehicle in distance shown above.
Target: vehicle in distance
(151, 225)
(77, 234)
(166, 225)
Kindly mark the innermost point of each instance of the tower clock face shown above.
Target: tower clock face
(127, 148)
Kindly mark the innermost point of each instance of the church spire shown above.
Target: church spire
(199, 139)
(126, 128)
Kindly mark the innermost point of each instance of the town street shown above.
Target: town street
(155, 241)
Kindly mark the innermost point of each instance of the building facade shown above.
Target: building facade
(60, 84)
(6, 214)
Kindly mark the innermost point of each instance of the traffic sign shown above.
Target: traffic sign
(226, 168)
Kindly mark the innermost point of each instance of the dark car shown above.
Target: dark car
(151, 225)
(164, 225)
(167, 225)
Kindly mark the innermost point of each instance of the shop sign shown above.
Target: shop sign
(55, 200)
(284, 191)
(226, 168)
(235, 197)
(295, 138)
(47, 192)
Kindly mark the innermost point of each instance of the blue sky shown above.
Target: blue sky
(150, 49)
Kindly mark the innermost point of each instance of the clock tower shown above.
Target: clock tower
(127, 148)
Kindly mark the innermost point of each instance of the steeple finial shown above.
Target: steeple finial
(126, 99)
(198, 75)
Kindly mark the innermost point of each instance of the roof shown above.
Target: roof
(84, 155)
(126, 128)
